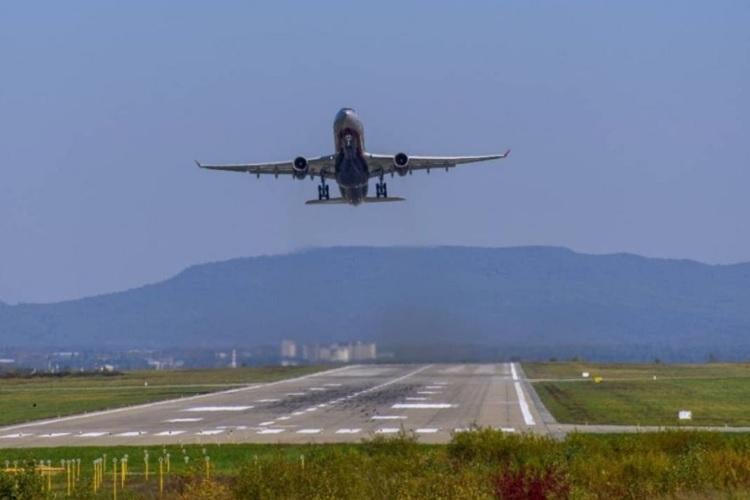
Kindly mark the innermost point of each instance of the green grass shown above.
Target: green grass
(717, 394)
(39, 397)
(483, 464)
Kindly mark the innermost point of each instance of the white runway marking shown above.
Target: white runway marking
(389, 417)
(462, 429)
(432, 387)
(348, 431)
(335, 372)
(211, 432)
(308, 431)
(54, 434)
(298, 413)
(271, 431)
(170, 433)
(417, 399)
(387, 430)
(92, 434)
(428, 430)
(507, 429)
(181, 420)
(528, 418)
(268, 401)
(217, 408)
(332, 385)
(312, 409)
(317, 389)
(264, 424)
(422, 406)
(16, 435)
(295, 393)
(283, 418)
(428, 392)
(129, 434)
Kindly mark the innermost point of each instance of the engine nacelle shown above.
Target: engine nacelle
(301, 166)
(401, 163)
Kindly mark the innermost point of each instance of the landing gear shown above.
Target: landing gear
(381, 190)
(323, 192)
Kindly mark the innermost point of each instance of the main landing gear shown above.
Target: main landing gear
(381, 189)
(323, 192)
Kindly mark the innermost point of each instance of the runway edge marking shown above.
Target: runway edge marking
(528, 418)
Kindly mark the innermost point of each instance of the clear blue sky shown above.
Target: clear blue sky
(629, 124)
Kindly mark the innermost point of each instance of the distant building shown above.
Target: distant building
(340, 353)
(288, 349)
(364, 351)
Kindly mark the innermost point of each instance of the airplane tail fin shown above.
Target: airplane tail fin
(342, 201)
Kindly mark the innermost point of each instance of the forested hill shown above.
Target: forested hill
(538, 297)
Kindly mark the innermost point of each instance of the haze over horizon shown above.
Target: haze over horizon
(629, 132)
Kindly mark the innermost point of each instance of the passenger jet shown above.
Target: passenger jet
(351, 166)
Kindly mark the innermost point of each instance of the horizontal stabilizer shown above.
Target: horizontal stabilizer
(342, 201)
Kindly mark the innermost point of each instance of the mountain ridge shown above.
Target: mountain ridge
(521, 296)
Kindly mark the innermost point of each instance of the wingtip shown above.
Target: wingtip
(198, 163)
(507, 152)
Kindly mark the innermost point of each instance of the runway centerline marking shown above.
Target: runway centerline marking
(54, 434)
(16, 435)
(211, 432)
(423, 406)
(92, 434)
(348, 431)
(427, 430)
(389, 417)
(387, 430)
(271, 431)
(181, 420)
(200, 409)
(129, 434)
(170, 433)
(308, 431)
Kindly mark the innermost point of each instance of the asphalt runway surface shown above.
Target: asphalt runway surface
(341, 405)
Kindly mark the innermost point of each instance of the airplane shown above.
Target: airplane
(351, 166)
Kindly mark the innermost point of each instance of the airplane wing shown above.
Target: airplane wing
(323, 165)
(384, 164)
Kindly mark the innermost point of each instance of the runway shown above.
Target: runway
(339, 405)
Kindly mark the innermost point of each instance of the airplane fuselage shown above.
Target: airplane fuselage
(352, 173)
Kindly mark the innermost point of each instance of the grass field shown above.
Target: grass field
(483, 464)
(717, 394)
(38, 397)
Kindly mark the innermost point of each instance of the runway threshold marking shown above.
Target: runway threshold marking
(348, 431)
(528, 418)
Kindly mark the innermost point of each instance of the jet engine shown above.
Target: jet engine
(401, 162)
(301, 167)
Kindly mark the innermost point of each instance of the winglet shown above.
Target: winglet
(505, 155)
(198, 163)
